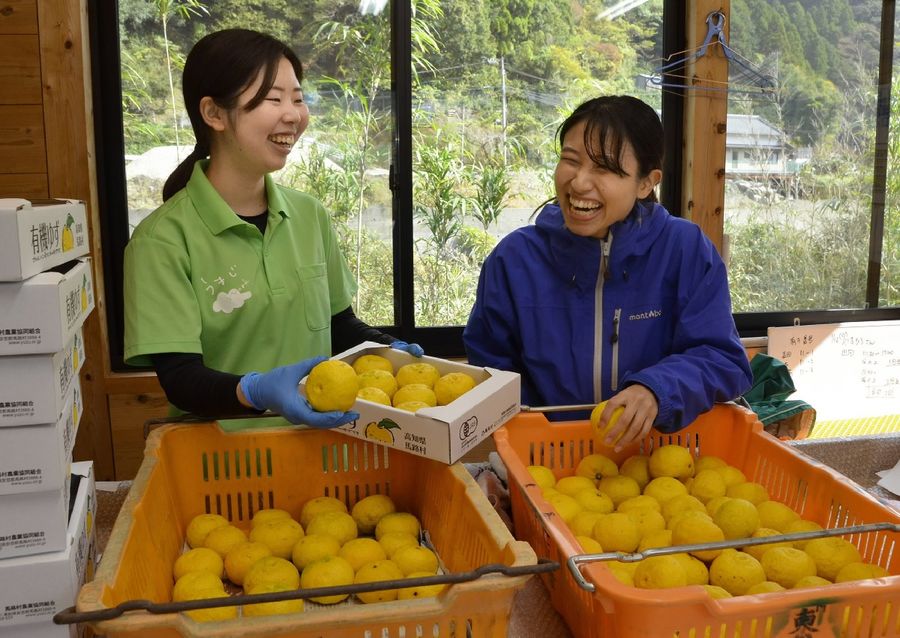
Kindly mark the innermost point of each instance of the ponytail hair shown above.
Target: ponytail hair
(178, 179)
(221, 66)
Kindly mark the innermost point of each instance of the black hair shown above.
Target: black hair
(611, 121)
(222, 65)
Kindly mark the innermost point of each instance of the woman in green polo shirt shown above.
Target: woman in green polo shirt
(234, 273)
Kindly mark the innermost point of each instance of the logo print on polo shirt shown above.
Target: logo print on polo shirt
(227, 301)
(234, 298)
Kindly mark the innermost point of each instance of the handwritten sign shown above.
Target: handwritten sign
(844, 370)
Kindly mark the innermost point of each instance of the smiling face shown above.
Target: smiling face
(594, 197)
(258, 141)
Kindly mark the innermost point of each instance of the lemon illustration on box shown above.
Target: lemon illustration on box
(68, 237)
(75, 407)
(75, 355)
(381, 431)
(84, 298)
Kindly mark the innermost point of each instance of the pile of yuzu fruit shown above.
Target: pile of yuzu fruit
(670, 498)
(336, 384)
(326, 545)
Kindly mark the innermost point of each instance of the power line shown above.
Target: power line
(535, 77)
(619, 9)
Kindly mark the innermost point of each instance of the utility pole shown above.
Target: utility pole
(502, 63)
(462, 134)
(503, 99)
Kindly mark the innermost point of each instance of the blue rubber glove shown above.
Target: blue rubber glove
(412, 348)
(277, 390)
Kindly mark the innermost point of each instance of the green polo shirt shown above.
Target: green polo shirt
(199, 279)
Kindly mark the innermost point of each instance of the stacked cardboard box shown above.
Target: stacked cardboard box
(46, 501)
(34, 588)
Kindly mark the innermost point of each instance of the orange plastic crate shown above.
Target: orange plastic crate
(866, 608)
(192, 469)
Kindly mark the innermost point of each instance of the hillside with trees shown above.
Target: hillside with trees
(491, 81)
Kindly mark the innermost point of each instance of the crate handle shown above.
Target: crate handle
(558, 408)
(573, 562)
(69, 616)
(580, 407)
(189, 417)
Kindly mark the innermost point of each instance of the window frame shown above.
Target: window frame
(109, 144)
(756, 324)
(442, 341)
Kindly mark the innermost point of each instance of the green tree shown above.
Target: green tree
(438, 202)
(362, 49)
(465, 37)
(274, 17)
(510, 23)
(166, 10)
(140, 131)
(359, 45)
(809, 105)
(491, 189)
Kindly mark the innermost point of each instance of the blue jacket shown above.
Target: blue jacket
(666, 318)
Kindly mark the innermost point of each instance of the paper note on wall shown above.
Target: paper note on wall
(844, 370)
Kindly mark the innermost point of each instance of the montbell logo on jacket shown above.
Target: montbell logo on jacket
(653, 314)
(665, 323)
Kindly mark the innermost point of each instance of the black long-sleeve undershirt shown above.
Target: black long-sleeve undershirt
(348, 330)
(191, 386)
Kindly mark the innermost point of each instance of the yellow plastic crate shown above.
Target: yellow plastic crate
(849, 610)
(193, 469)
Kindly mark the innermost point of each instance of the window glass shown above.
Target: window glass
(800, 154)
(889, 289)
(342, 159)
(492, 80)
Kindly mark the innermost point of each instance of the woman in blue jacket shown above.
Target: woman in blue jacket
(607, 295)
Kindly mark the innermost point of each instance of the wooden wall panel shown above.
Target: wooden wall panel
(22, 148)
(65, 77)
(127, 414)
(26, 185)
(133, 398)
(18, 16)
(20, 69)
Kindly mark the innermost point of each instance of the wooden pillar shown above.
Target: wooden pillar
(705, 119)
(71, 172)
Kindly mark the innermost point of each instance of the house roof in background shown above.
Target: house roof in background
(752, 130)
